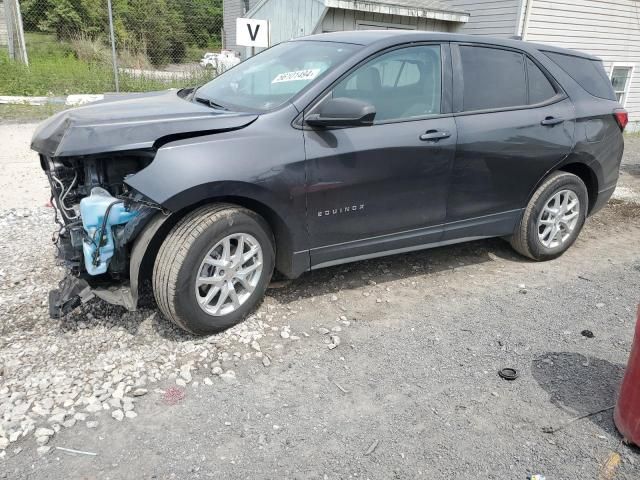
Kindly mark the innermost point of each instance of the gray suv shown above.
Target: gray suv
(325, 150)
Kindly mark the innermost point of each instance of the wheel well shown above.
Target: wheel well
(588, 176)
(282, 235)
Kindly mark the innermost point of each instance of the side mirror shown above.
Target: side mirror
(342, 112)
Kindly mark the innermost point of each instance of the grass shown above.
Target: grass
(27, 113)
(55, 70)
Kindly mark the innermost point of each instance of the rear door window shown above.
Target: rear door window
(493, 78)
(540, 88)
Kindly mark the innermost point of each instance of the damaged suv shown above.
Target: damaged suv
(324, 150)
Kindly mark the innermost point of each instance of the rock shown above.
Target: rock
(69, 423)
(131, 414)
(217, 370)
(229, 376)
(139, 392)
(93, 408)
(127, 406)
(118, 415)
(207, 381)
(4, 443)
(285, 334)
(600, 305)
(92, 424)
(44, 432)
(335, 341)
(266, 361)
(119, 391)
(185, 373)
(43, 450)
(323, 331)
(59, 418)
(256, 346)
(334, 298)
(42, 440)
(180, 382)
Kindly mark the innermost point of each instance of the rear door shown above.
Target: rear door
(383, 187)
(514, 123)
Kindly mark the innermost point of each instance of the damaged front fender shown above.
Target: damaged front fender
(74, 291)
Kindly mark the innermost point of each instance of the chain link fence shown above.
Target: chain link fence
(98, 46)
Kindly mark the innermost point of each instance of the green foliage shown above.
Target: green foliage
(24, 113)
(163, 30)
(62, 73)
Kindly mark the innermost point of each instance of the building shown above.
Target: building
(233, 9)
(607, 29)
(295, 18)
(3, 26)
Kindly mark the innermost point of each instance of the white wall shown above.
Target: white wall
(609, 30)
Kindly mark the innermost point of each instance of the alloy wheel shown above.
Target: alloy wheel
(228, 274)
(559, 218)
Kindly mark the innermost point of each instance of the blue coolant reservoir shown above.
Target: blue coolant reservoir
(92, 210)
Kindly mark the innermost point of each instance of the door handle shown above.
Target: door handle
(434, 135)
(550, 121)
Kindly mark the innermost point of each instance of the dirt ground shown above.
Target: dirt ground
(411, 391)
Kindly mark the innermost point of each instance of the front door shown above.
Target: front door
(514, 124)
(383, 187)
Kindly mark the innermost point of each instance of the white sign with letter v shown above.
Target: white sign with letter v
(252, 33)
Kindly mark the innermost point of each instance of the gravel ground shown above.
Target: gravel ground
(380, 369)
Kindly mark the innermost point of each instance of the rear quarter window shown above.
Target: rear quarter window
(588, 73)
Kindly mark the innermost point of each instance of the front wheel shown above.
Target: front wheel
(213, 268)
(553, 218)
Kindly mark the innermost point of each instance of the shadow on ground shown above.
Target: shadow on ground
(580, 384)
(406, 266)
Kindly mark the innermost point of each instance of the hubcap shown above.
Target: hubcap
(228, 274)
(558, 218)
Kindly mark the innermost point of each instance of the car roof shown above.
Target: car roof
(391, 37)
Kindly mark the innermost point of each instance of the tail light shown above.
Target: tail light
(622, 117)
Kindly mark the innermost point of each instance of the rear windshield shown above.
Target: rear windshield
(588, 73)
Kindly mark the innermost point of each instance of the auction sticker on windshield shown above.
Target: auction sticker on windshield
(308, 74)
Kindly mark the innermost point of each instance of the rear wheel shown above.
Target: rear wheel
(553, 218)
(213, 268)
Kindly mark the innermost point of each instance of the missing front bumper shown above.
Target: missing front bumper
(72, 293)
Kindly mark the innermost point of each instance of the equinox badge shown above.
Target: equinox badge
(337, 211)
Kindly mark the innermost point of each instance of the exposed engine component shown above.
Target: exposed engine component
(101, 212)
(97, 214)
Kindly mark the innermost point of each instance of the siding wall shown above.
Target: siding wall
(498, 18)
(3, 25)
(290, 18)
(609, 30)
(338, 19)
(233, 9)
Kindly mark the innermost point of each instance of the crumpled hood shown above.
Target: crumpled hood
(129, 122)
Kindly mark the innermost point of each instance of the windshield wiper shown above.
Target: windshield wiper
(211, 103)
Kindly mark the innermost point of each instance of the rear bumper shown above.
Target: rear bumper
(603, 197)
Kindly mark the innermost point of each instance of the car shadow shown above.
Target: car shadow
(351, 276)
(330, 280)
(633, 170)
(580, 385)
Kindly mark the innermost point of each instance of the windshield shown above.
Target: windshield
(273, 77)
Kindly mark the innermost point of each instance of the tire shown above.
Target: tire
(181, 260)
(526, 238)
